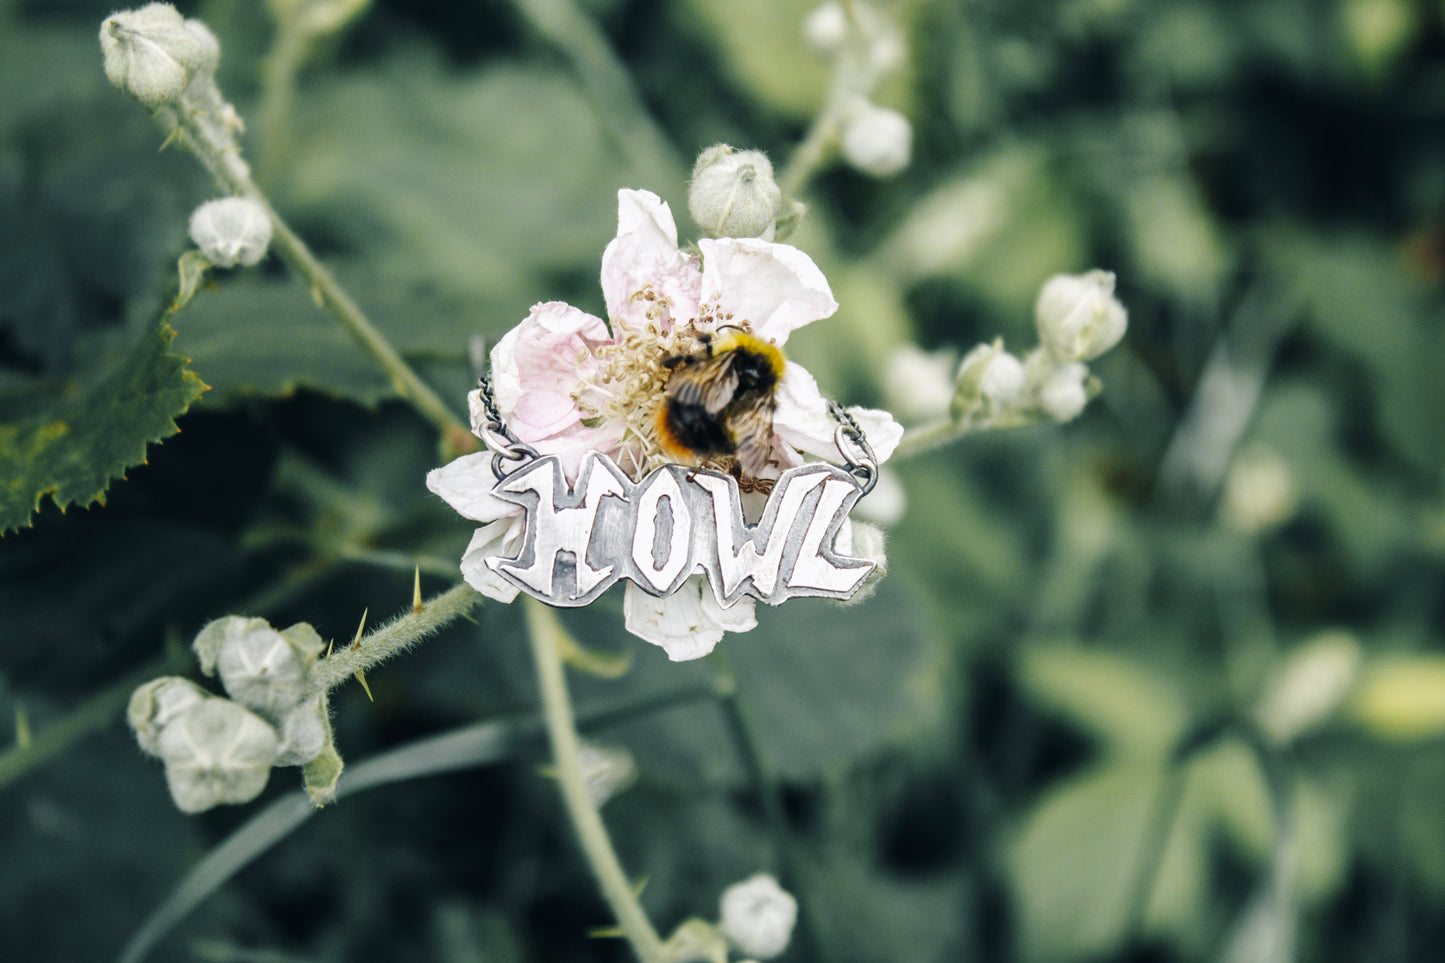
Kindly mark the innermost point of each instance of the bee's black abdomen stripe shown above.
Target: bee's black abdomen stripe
(697, 430)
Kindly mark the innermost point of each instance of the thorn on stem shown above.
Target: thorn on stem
(356, 642)
(416, 603)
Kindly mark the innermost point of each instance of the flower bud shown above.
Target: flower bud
(918, 384)
(1310, 686)
(231, 231)
(758, 916)
(152, 53)
(1078, 316)
(261, 668)
(303, 734)
(216, 752)
(991, 373)
(208, 47)
(826, 28)
(1063, 395)
(1259, 491)
(606, 771)
(159, 702)
(876, 140)
(733, 194)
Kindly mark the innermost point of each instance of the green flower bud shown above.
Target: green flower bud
(152, 53)
(157, 704)
(216, 752)
(1078, 316)
(231, 231)
(733, 194)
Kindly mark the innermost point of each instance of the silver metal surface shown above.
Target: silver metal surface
(674, 523)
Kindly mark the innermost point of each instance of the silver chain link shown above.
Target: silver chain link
(494, 431)
(853, 446)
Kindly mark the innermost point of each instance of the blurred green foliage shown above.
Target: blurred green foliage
(1041, 741)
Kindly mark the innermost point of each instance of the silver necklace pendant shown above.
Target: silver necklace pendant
(674, 523)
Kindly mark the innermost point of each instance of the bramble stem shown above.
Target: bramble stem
(203, 122)
(543, 632)
(395, 637)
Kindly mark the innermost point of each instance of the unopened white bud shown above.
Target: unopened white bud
(208, 47)
(157, 704)
(261, 668)
(758, 916)
(152, 54)
(826, 28)
(858, 539)
(990, 372)
(918, 384)
(606, 771)
(1078, 316)
(231, 231)
(876, 140)
(733, 194)
(1259, 491)
(216, 752)
(1310, 686)
(303, 734)
(1063, 395)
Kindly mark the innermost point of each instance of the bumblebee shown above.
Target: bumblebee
(720, 402)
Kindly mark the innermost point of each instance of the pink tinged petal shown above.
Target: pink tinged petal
(538, 365)
(776, 287)
(466, 485)
(681, 624)
(645, 255)
(502, 537)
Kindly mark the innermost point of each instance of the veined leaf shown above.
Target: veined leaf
(72, 448)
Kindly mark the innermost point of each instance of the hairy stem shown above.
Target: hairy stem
(393, 638)
(543, 632)
(203, 123)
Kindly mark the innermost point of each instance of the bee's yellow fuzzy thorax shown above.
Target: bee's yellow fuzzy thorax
(733, 340)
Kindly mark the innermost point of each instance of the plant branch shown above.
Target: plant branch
(393, 638)
(204, 123)
(543, 632)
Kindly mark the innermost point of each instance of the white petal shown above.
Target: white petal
(501, 537)
(802, 418)
(680, 623)
(644, 256)
(776, 287)
(881, 430)
(466, 485)
(738, 617)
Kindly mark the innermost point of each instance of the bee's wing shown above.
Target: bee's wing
(711, 383)
(753, 432)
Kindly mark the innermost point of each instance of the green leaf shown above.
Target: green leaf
(1115, 698)
(1075, 864)
(1402, 698)
(80, 440)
